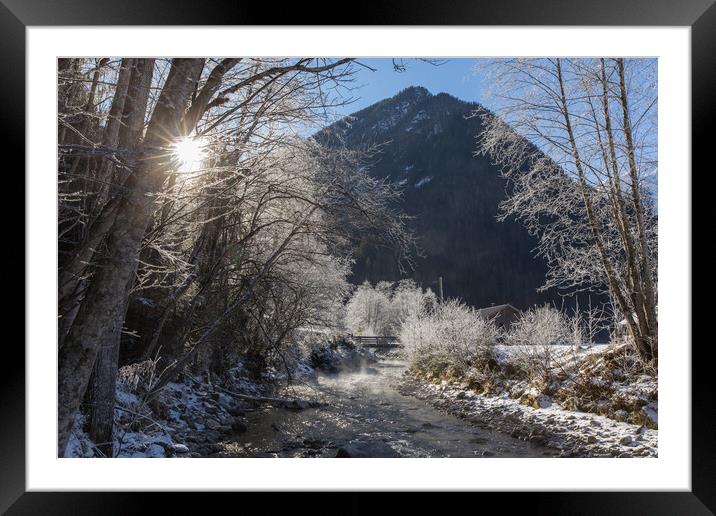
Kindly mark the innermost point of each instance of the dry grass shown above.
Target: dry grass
(611, 382)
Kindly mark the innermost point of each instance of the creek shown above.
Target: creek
(367, 415)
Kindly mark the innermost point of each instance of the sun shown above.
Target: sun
(189, 153)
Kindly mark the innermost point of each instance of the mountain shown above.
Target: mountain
(427, 145)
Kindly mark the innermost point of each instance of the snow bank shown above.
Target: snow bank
(188, 418)
(340, 356)
(564, 384)
(574, 433)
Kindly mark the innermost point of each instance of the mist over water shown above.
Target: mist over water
(366, 416)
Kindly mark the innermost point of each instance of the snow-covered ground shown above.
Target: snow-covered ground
(183, 420)
(574, 433)
(591, 402)
(189, 418)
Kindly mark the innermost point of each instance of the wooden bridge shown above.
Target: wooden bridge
(375, 341)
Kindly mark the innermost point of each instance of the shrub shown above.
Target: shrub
(368, 311)
(450, 335)
(533, 336)
(540, 326)
(139, 377)
(381, 310)
(344, 342)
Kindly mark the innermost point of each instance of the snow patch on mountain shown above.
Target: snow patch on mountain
(419, 117)
(422, 182)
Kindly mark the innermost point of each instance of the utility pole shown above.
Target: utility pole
(440, 288)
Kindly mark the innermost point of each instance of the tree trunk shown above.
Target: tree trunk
(646, 313)
(72, 274)
(613, 281)
(102, 382)
(110, 139)
(99, 321)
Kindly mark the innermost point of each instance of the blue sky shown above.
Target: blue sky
(454, 76)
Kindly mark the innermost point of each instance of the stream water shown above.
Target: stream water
(366, 416)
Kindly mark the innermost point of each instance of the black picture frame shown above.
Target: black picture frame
(17, 15)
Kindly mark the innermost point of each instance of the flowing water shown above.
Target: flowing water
(366, 416)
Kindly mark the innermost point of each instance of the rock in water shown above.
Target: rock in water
(239, 427)
(236, 412)
(342, 453)
(367, 449)
(181, 448)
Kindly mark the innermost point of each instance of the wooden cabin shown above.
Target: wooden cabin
(502, 315)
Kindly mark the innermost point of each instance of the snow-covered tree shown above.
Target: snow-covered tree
(189, 213)
(452, 332)
(368, 311)
(588, 195)
(382, 310)
(409, 300)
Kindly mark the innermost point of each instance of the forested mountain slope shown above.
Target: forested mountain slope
(427, 146)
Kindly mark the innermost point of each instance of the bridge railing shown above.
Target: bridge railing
(376, 341)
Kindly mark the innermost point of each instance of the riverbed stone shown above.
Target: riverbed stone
(364, 449)
(181, 448)
(239, 426)
(237, 412)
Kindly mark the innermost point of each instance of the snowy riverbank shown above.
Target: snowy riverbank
(189, 418)
(573, 433)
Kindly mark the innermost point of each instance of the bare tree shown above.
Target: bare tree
(100, 317)
(577, 142)
(215, 239)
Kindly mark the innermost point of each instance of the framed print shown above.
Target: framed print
(435, 239)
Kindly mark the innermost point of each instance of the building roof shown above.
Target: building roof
(491, 311)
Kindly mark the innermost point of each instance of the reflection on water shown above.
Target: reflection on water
(367, 417)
